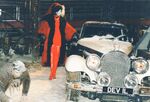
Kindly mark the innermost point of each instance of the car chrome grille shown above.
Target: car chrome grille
(117, 65)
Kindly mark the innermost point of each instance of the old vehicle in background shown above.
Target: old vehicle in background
(14, 36)
(103, 66)
(142, 48)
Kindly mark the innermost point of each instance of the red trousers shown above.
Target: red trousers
(55, 53)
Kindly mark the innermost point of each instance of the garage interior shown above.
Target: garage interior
(18, 26)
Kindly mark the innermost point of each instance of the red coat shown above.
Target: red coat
(46, 27)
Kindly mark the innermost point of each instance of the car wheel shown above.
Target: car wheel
(72, 95)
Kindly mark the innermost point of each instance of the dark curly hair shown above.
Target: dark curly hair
(55, 8)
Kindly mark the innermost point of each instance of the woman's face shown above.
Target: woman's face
(61, 12)
(58, 13)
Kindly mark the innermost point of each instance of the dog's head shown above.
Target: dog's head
(18, 67)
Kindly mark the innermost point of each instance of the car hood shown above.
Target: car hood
(105, 45)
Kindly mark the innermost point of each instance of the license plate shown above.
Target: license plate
(117, 90)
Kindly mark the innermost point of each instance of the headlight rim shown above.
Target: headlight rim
(131, 75)
(142, 71)
(104, 73)
(97, 69)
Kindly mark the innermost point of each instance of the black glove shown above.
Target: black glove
(72, 45)
(75, 37)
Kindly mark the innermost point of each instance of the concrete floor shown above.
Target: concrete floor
(41, 89)
(44, 90)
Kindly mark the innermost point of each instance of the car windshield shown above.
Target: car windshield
(89, 31)
(144, 41)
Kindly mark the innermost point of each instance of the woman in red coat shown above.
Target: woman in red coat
(57, 32)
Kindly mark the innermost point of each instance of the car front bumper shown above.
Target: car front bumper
(144, 92)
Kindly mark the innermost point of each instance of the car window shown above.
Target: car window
(89, 31)
(144, 41)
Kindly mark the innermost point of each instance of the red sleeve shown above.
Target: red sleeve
(43, 28)
(70, 31)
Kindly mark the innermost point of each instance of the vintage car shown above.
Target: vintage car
(105, 66)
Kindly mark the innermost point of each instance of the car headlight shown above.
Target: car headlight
(103, 79)
(140, 66)
(93, 62)
(130, 81)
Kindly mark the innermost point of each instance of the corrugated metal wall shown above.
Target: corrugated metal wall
(13, 8)
(102, 9)
(78, 10)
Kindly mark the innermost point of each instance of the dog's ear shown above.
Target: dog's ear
(19, 66)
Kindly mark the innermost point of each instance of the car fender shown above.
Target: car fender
(75, 63)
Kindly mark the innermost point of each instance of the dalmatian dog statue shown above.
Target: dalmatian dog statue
(13, 74)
